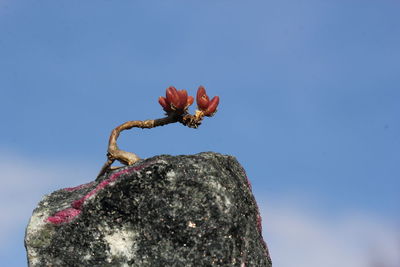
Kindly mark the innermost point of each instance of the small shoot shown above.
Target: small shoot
(175, 104)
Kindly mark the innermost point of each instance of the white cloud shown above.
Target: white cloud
(298, 236)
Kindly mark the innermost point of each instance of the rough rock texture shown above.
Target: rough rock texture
(193, 210)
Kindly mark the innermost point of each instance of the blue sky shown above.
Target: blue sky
(309, 105)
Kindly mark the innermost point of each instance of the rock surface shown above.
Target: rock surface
(195, 210)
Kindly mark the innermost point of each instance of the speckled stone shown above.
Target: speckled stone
(195, 210)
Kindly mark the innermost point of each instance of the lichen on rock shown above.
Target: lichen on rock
(195, 210)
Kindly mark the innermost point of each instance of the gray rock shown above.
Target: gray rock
(195, 210)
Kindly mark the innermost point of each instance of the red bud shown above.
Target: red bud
(212, 107)
(173, 96)
(202, 98)
(189, 101)
(182, 99)
(164, 104)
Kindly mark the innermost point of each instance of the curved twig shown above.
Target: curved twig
(125, 157)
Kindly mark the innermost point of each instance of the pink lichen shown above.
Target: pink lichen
(259, 219)
(77, 204)
(68, 214)
(71, 189)
(63, 216)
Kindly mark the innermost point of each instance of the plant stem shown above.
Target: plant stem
(129, 158)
